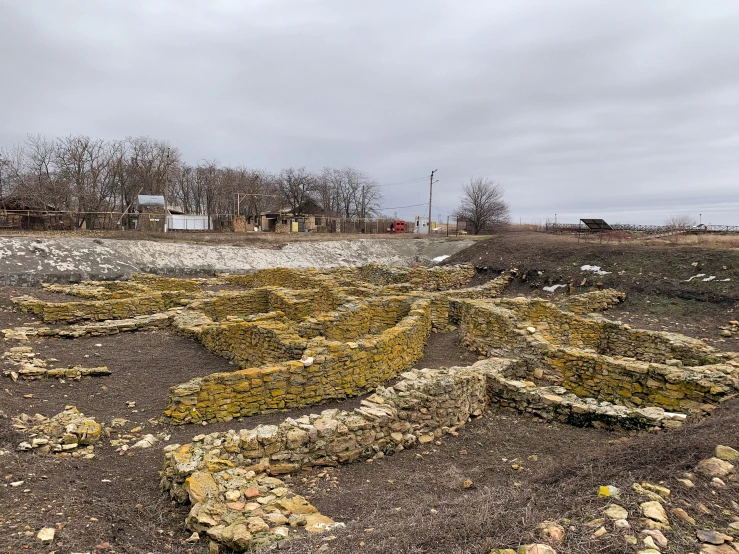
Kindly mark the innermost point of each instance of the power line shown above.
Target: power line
(409, 181)
(400, 207)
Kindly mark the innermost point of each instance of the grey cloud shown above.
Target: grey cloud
(579, 108)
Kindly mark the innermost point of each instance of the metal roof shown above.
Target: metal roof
(150, 200)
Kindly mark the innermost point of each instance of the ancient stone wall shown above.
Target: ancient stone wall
(278, 277)
(639, 383)
(98, 290)
(557, 403)
(357, 319)
(95, 329)
(298, 304)
(501, 323)
(441, 302)
(97, 310)
(595, 301)
(417, 278)
(419, 408)
(594, 357)
(234, 304)
(339, 369)
(253, 343)
(157, 282)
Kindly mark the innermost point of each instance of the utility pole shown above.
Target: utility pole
(431, 188)
(364, 215)
(166, 186)
(3, 163)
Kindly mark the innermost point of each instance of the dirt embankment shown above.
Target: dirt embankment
(27, 260)
(687, 289)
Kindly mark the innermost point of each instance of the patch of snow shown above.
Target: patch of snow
(595, 269)
(695, 277)
(711, 278)
(553, 288)
(724, 280)
(440, 258)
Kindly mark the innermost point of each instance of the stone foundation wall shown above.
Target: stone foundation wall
(357, 319)
(420, 408)
(557, 403)
(339, 370)
(441, 302)
(234, 304)
(639, 383)
(96, 329)
(502, 323)
(253, 343)
(97, 310)
(600, 358)
(596, 301)
(279, 277)
(98, 290)
(299, 304)
(157, 282)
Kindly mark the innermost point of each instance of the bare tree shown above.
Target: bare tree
(680, 221)
(258, 190)
(150, 164)
(482, 204)
(296, 185)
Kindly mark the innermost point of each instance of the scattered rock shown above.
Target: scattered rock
(727, 453)
(46, 535)
(614, 511)
(147, 442)
(599, 533)
(654, 511)
(536, 549)
(657, 536)
(720, 549)
(662, 491)
(552, 531)
(712, 537)
(714, 467)
(649, 543)
(69, 432)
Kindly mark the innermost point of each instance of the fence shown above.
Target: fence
(38, 220)
(649, 230)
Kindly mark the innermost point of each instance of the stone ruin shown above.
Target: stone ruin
(301, 337)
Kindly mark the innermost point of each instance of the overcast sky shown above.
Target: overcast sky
(627, 110)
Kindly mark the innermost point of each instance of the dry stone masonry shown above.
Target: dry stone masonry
(598, 358)
(300, 337)
(30, 367)
(69, 433)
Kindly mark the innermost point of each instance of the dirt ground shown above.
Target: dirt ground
(256, 240)
(413, 502)
(655, 276)
(115, 498)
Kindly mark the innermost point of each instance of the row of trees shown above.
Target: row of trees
(83, 174)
